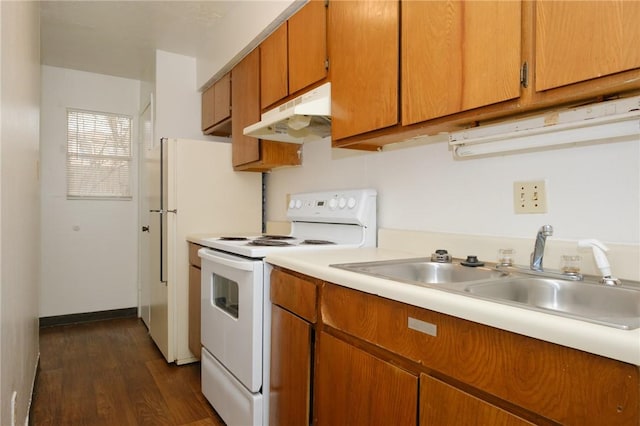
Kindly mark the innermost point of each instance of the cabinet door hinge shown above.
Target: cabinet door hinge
(524, 75)
(326, 64)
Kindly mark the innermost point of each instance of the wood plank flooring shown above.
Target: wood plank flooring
(111, 373)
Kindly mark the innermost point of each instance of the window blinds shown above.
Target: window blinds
(98, 155)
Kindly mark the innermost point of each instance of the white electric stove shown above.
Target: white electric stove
(235, 302)
(319, 220)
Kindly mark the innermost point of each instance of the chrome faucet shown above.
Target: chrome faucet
(538, 250)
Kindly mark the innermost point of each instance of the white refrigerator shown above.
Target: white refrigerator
(188, 187)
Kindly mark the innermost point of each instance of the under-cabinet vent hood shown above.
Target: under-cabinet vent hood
(302, 119)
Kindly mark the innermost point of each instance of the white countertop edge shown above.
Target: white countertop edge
(622, 345)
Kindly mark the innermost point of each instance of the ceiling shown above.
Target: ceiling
(120, 37)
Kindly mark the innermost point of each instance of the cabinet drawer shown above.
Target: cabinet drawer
(560, 383)
(194, 259)
(294, 294)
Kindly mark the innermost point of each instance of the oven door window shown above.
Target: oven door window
(225, 295)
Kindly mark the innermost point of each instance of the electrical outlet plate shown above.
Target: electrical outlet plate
(529, 197)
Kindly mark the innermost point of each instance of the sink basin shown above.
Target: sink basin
(422, 271)
(612, 306)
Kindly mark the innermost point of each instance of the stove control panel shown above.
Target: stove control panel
(345, 206)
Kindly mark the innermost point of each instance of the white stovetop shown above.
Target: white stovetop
(623, 345)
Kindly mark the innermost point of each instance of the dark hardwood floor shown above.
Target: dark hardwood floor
(111, 373)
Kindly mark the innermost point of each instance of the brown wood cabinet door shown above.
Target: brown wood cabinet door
(458, 55)
(363, 66)
(245, 98)
(290, 387)
(444, 405)
(307, 45)
(216, 107)
(578, 41)
(355, 388)
(222, 99)
(194, 311)
(208, 107)
(273, 67)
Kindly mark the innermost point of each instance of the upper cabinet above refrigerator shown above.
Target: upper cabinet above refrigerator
(294, 56)
(216, 108)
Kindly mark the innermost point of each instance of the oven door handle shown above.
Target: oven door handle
(245, 265)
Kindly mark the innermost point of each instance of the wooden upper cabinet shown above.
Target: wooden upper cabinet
(245, 98)
(293, 57)
(364, 59)
(307, 45)
(222, 99)
(248, 153)
(208, 105)
(273, 67)
(216, 108)
(578, 41)
(458, 56)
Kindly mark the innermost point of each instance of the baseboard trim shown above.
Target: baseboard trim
(88, 317)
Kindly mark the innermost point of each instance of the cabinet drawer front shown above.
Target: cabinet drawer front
(294, 294)
(560, 383)
(194, 259)
(408, 331)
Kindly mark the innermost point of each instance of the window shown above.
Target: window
(98, 155)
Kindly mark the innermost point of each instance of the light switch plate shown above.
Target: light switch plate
(529, 197)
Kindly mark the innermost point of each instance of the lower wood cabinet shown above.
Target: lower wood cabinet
(356, 388)
(290, 375)
(538, 380)
(376, 361)
(194, 300)
(293, 318)
(445, 405)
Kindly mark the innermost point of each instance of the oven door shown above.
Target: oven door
(231, 314)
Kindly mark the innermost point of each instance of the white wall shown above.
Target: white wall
(89, 257)
(240, 31)
(177, 99)
(592, 191)
(19, 205)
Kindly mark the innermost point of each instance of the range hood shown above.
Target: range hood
(302, 119)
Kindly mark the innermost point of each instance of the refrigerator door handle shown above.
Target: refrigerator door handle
(162, 211)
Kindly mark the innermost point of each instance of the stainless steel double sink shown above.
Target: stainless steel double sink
(586, 300)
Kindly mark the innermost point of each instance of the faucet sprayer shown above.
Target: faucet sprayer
(599, 255)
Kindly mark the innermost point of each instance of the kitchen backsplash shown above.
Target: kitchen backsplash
(592, 191)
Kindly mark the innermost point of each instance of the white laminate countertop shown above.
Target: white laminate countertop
(622, 345)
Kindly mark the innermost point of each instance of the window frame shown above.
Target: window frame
(71, 153)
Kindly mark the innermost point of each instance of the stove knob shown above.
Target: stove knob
(333, 203)
(292, 204)
(351, 203)
(342, 203)
(298, 204)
